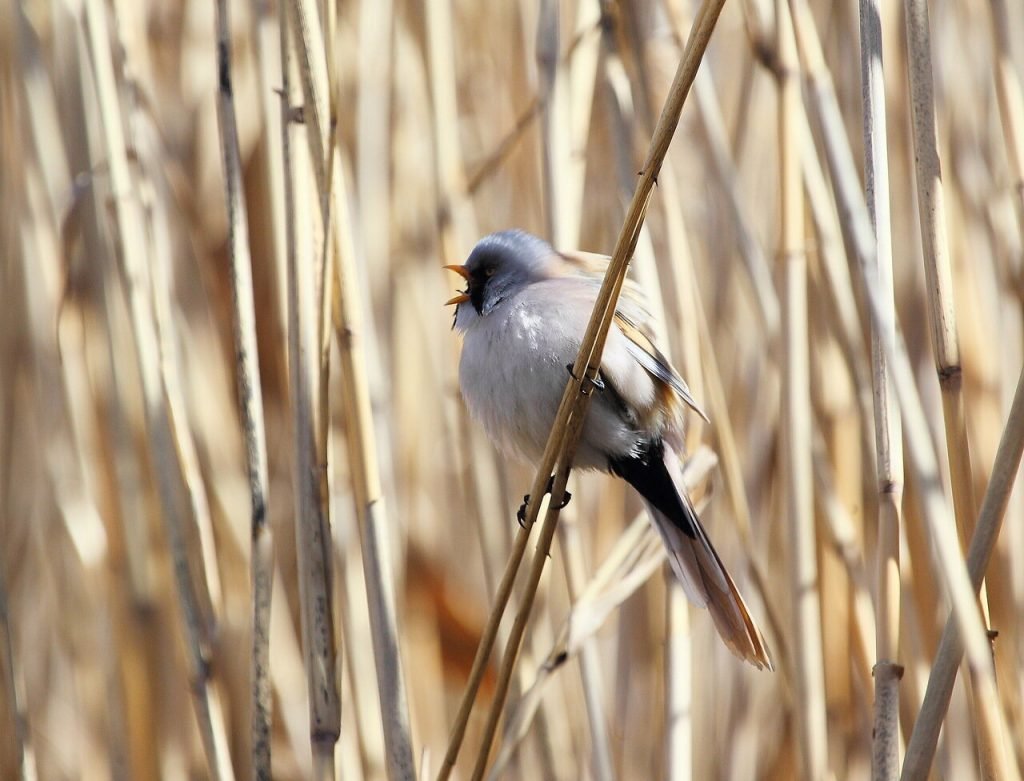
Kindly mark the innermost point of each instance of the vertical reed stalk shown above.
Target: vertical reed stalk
(14, 691)
(133, 268)
(375, 525)
(679, 688)
(888, 442)
(1011, 101)
(932, 215)
(567, 89)
(945, 339)
(808, 663)
(250, 402)
(1011, 104)
(312, 535)
(571, 547)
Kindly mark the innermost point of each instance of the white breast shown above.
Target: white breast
(513, 372)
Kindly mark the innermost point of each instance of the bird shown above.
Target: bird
(522, 317)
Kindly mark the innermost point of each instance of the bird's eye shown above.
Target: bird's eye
(489, 271)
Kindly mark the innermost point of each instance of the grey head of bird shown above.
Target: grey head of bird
(499, 266)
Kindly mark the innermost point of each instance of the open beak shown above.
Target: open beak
(461, 297)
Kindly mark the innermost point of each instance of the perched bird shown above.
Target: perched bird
(523, 315)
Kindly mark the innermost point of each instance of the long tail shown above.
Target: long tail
(657, 477)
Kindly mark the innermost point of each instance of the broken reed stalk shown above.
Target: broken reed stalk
(250, 403)
(133, 270)
(575, 401)
(799, 488)
(312, 535)
(924, 738)
(885, 759)
(945, 339)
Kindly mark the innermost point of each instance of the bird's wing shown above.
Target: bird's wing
(647, 354)
(632, 319)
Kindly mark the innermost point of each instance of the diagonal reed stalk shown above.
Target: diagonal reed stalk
(932, 217)
(375, 524)
(575, 401)
(924, 738)
(250, 402)
(584, 370)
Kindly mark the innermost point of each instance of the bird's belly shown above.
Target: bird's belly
(512, 387)
(512, 380)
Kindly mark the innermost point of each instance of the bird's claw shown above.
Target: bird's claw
(521, 513)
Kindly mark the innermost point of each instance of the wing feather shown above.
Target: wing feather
(631, 317)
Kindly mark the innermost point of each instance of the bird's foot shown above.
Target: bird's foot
(566, 496)
(521, 514)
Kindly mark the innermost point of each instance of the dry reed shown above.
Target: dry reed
(221, 326)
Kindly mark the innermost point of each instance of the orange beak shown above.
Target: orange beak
(461, 297)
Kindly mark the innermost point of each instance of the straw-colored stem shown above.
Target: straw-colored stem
(923, 740)
(945, 339)
(809, 666)
(375, 526)
(932, 214)
(312, 535)
(589, 662)
(13, 689)
(948, 562)
(888, 443)
(1011, 104)
(341, 287)
(754, 261)
(679, 686)
(134, 275)
(514, 643)
(857, 231)
(567, 88)
(250, 402)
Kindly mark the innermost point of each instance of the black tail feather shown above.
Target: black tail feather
(647, 473)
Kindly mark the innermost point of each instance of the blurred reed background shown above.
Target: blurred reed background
(166, 243)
